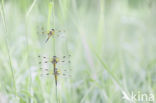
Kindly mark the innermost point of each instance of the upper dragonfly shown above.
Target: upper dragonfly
(52, 33)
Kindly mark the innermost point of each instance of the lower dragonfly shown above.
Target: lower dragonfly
(55, 61)
(56, 72)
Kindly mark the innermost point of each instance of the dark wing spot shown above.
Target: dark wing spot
(64, 74)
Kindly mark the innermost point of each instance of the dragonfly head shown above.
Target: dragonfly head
(52, 30)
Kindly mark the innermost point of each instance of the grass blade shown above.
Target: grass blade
(31, 7)
(12, 71)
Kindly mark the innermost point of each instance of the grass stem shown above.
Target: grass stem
(31, 7)
(12, 71)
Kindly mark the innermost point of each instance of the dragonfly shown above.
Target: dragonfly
(52, 33)
(56, 62)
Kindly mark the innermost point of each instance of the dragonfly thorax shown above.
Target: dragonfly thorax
(55, 60)
(51, 32)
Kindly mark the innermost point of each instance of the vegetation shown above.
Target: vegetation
(112, 44)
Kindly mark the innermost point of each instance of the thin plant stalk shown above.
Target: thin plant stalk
(51, 10)
(6, 43)
(49, 15)
(3, 15)
(12, 71)
(31, 7)
(28, 61)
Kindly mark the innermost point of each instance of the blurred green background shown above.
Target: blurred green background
(112, 44)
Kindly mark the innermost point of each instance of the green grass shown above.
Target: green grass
(112, 46)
